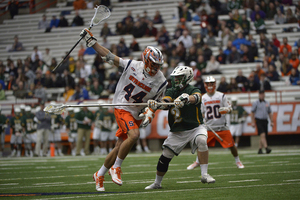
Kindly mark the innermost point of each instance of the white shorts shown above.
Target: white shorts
(236, 129)
(15, 139)
(55, 136)
(97, 134)
(30, 138)
(72, 137)
(142, 133)
(107, 136)
(176, 141)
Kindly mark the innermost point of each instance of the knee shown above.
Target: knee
(201, 142)
(134, 134)
(163, 164)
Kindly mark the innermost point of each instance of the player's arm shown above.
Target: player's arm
(186, 99)
(102, 51)
(226, 106)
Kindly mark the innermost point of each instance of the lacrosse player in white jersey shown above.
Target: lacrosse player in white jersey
(140, 81)
(215, 106)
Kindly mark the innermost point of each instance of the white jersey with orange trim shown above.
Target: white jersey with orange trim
(210, 107)
(136, 86)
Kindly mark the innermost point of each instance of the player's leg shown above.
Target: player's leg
(13, 140)
(143, 140)
(19, 145)
(87, 135)
(38, 143)
(45, 134)
(162, 168)
(96, 140)
(79, 140)
(103, 141)
(57, 137)
(239, 130)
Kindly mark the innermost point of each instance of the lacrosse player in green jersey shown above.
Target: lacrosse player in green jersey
(3, 124)
(30, 131)
(71, 125)
(55, 135)
(186, 124)
(17, 124)
(237, 118)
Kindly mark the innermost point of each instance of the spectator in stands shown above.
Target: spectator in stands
(162, 36)
(279, 17)
(77, 20)
(257, 10)
(253, 84)
(106, 43)
(240, 40)
(227, 36)
(211, 40)
(275, 41)
(134, 45)
(294, 61)
(105, 31)
(111, 87)
(39, 77)
(207, 52)
(185, 14)
(151, 30)
(36, 52)
(230, 22)
(234, 56)
(204, 6)
(237, 28)
(53, 23)
(11, 84)
(80, 93)
(213, 66)
(40, 92)
(69, 92)
(138, 30)
(68, 80)
(79, 5)
(2, 97)
(48, 83)
(272, 74)
(290, 18)
(105, 3)
(271, 11)
(259, 71)
(242, 81)
(286, 45)
(223, 85)
(157, 19)
(181, 51)
(259, 24)
(29, 74)
(20, 91)
(122, 49)
(236, 16)
(233, 4)
(16, 46)
(200, 84)
(186, 39)
(217, 5)
(221, 57)
(120, 29)
(96, 88)
(233, 87)
(212, 20)
(294, 77)
(245, 24)
(286, 67)
(90, 4)
(43, 23)
(63, 22)
(128, 26)
(47, 57)
(192, 55)
(264, 83)
(94, 75)
(201, 64)
(128, 17)
(13, 7)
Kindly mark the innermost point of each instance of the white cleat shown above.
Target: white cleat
(116, 175)
(99, 182)
(193, 166)
(153, 186)
(207, 179)
(240, 165)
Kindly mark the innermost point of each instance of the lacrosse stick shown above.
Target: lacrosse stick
(58, 109)
(212, 130)
(101, 13)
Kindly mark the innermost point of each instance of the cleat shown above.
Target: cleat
(207, 179)
(116, 175)
(99, 182)
(259, 151)
(240, 165)
(268, 150)
(193, 166)
(153, 186)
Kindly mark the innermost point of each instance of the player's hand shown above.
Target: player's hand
(104, 58)
(88, 37)
(182, 100)
(152, 104)
(253, 124)
(148, 116)
(224, 110)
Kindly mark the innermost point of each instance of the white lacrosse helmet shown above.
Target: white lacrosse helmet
(17, 112)
(38, 108)
(153, 60)
(52, 102)
(27, 108)
(182, 75)
(210, 79)
(22, 106)
(70, 109)
(76, 110)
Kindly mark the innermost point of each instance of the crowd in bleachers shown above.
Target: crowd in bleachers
(28, 78)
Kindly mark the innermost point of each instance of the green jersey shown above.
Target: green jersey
(80, 118)
(189, 116)
(237, 113)
(17, 124)
(29, 123)
(71, 123)
(107, 121)
(56, 120)
(3, 121)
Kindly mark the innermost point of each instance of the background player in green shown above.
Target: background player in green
(30, 136)
(3, 124)
(108, 125)
(55, 135)
(71, 125)
(237, 118)
(186, 124)
(97, 131)
(17, 124)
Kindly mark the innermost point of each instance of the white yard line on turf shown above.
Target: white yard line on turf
(10, 184)
(169, 191)
(48, 183)
(291, 180)
(240, 181)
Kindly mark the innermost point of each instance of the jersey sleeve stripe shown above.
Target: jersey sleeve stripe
(162, 86)
(128, 64)
(167, 98)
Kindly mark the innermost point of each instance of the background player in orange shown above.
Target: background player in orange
(214, 106)
(140, 81)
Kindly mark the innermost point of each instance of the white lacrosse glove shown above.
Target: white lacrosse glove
(18, 134)
(111, 62)
(98, 123)
(88, 37)
(152, 104)
(182, 100)
(148, 116)
(224, 110)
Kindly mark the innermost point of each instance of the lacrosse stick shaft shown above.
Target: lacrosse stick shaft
(118, 104)
(212, 130)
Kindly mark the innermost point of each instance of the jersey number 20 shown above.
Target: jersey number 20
(213, 112)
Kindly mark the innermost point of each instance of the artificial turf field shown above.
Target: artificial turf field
(273, 176)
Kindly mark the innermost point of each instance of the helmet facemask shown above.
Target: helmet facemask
(153, 60)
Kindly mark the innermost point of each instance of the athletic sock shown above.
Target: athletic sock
(146, 148)
(203, 169)
(102, 171)
(237, 159)
(197, 159)
(158, 179)
(118, 162)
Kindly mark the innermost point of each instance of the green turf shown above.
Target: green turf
(273, 176)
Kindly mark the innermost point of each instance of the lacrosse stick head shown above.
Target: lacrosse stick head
(101, 13)
(55, 109)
